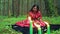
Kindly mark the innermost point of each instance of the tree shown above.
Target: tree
(50, 8)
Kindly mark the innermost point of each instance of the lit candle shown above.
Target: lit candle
(31, 28)
(48, 29)
(39, 31)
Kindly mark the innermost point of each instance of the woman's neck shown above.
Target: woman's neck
(34, 12)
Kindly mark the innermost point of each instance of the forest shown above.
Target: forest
(12, 11)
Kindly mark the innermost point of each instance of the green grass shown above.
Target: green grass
(4, 21)
(52, 20)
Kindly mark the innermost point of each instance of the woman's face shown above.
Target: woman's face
(35, 9)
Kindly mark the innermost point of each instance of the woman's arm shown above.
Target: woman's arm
(39, 15)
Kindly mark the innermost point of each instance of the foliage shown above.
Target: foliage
(5, 21)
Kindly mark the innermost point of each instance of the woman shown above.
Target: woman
(35, 17)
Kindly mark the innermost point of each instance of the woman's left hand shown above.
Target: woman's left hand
(37, 25)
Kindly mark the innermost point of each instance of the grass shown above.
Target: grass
(52, 20)
(4, 21)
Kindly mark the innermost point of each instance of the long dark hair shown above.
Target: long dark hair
(34, 6)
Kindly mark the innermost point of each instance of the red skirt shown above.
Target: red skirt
(26, 23)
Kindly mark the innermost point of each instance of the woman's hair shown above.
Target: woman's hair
(35, 6)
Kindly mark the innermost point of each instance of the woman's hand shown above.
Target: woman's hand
(29, 18)
(46, 23)
(37, 25)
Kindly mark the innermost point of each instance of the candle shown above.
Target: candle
(31, 25)
(39, 31)
(48, 29)
(31, 28)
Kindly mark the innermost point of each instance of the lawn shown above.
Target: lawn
(5, 21)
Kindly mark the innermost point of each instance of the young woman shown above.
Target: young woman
(35, 17)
